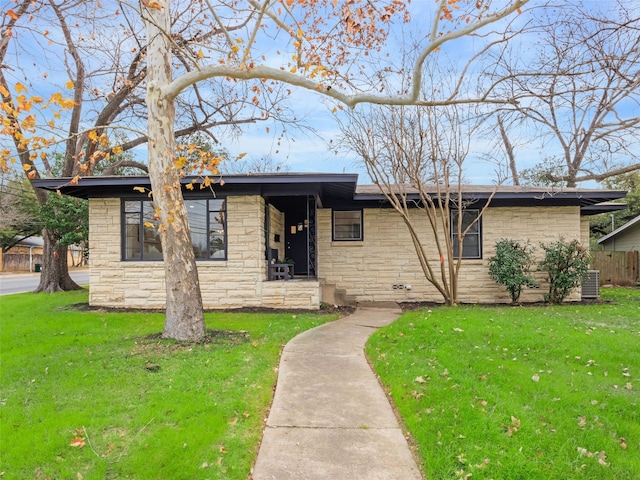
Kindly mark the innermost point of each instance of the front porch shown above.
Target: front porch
(296, 294)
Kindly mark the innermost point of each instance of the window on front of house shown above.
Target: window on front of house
(472, 242)
(207, 222)
(347, 225)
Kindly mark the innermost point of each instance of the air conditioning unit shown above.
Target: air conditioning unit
(591, 284)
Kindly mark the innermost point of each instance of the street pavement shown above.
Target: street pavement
(28, 282)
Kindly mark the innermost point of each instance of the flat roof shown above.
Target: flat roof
(339, 190)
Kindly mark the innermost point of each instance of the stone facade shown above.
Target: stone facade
(240, 281)
(384, 266)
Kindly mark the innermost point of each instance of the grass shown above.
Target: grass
(519, 392)
(142, 407)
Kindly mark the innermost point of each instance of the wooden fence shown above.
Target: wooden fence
(616, 268)
(16, 262)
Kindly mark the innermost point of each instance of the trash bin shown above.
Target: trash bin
(38, 267)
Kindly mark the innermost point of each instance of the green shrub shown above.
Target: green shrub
(510, 267)
(566, 264)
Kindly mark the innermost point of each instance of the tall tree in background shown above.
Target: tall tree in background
(576, 87)
(18, 210)
(72, 82)
(263, 164)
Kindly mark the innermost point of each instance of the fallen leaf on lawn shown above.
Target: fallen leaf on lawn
(223, 449)
(79, 476)
(602, 458)
(484, 463)
(420, 379)
(246, 415)
(515, 421)
(583, 421)
(584, 452)
(628, 386)
(514, 427)
(233, 421)
(535, 378)
(77, 442)
(458, 329)
(623, 443)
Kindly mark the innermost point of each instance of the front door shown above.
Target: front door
(297, 238)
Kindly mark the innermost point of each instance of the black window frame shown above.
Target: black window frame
(333, 225)
(470, 234)
(143, 221)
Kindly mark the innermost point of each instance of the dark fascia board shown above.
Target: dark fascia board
(272, 185)
(590, 201)
(335, 189)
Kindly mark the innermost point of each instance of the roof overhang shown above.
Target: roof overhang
(338, 190)
(590, 201)
(327, 187)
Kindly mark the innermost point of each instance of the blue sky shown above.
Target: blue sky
(302, 150)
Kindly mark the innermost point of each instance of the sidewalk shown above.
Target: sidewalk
(330, 418)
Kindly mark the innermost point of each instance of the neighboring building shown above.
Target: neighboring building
(619, 262)
(623, 239)
(27, 256)
(23, 256)
(346, 243)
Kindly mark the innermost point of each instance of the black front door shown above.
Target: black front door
(296, 238)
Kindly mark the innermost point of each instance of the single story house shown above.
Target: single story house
(623, 239)
(345, 242)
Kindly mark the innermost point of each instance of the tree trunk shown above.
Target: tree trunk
(55, 274)
(184, 311)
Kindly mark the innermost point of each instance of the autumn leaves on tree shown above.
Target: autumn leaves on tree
(200, 59)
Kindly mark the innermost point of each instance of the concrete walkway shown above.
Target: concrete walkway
(330, 418)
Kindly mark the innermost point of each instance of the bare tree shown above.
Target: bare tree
(415, 155)
(263, 164)
(576, 87)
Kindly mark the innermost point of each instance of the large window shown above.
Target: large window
(347, 225)
(207, 222)
(472, 242)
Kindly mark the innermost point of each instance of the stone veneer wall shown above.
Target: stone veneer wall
(240, 281)
(370, 269)
(277, 228)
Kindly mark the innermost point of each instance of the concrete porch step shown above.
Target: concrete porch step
(336, 296)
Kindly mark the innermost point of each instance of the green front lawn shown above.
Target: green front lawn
(519, 392)
(89, 394)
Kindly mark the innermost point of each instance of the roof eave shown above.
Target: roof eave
(620, 229)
